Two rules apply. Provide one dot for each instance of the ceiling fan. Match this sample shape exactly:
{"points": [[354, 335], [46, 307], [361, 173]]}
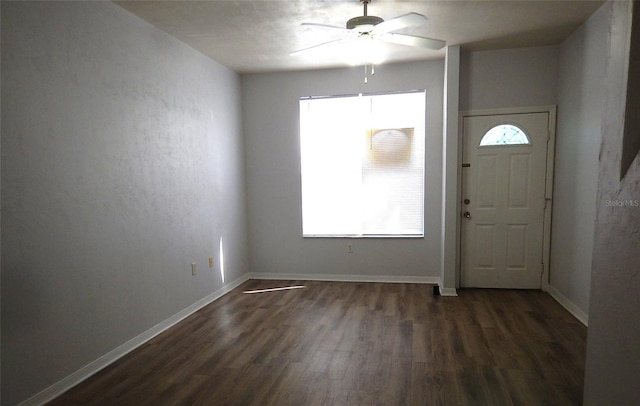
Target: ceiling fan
{"points": [[368, 27]]}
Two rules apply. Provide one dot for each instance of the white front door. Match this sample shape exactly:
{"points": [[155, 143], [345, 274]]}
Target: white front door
{"points": [[503, 193]]}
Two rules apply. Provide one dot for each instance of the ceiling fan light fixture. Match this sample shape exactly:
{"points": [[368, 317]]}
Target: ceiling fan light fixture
{"points": [[369, 34], [363, 23], [366, 50]]}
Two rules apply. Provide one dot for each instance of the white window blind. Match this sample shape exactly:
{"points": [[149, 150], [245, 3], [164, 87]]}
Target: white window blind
{"points": [[362, 165]]}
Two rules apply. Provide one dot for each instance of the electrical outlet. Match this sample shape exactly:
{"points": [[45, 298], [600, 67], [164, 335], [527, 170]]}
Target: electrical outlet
{"points": [[210, 262], [349, 248], [193, 268]]}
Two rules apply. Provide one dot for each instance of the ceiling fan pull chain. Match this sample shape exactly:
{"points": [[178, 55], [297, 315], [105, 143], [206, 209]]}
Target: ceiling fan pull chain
{"points": [[366, 73], [366, 80]]}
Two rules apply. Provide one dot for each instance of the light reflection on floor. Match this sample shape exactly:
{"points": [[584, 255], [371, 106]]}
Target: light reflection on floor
{"points": [[274, 289]]}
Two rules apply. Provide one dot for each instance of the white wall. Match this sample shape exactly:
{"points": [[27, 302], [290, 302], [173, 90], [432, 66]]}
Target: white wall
{"points": [[508, 78], [613, 353], [580, 104], [121, 164], [271, 121]]}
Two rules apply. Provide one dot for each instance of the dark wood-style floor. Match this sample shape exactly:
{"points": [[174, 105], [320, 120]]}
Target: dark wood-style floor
{"points": [[340, 343]]}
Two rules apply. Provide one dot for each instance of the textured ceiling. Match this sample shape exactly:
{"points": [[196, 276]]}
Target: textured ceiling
{"points": [[257, 36]]}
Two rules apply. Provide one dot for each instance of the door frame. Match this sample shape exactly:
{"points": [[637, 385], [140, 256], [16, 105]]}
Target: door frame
{"points": [[548, 189]]}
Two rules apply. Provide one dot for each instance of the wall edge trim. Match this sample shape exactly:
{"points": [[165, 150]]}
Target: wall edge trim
{"points": [[448, 291], [345, 278], [112, 356], [568, 304]]}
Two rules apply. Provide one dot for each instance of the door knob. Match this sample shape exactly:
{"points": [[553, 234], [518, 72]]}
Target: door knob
{"points": [[467, 214]]}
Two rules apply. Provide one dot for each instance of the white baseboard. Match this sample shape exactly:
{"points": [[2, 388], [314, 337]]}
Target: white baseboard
{"points": [[87, 371], [346, 278], [447, 291], [107, 359], [567, 304]]}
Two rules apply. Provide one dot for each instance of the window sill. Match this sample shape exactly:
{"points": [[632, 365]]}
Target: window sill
{"points": [[403, 236]]}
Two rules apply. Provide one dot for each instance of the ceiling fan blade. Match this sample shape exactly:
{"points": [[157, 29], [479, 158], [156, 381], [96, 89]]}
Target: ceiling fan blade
{"points": [[335, 41], [414, 41], [407, 20], [333, 27]]}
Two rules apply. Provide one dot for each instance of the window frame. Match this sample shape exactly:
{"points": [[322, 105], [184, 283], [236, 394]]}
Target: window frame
{"points": [[423, 127], [506, 124]]}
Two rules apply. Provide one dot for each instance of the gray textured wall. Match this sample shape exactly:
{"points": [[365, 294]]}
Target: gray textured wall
{"points": [[271, 126], [580, 103], [613, 353], [508, 78], [121, 164]]}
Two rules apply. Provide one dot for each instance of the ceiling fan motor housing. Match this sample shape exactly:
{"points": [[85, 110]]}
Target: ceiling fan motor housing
{"points": [[366, 21]]}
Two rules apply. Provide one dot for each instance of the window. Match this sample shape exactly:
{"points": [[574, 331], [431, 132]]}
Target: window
{"points": [[362, 165], [504, 134]]}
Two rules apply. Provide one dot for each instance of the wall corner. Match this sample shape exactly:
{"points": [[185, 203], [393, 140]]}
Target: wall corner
{"points": [[449, 261]]}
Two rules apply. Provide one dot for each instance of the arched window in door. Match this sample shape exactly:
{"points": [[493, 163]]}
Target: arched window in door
{"points": [[505, 134]]}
